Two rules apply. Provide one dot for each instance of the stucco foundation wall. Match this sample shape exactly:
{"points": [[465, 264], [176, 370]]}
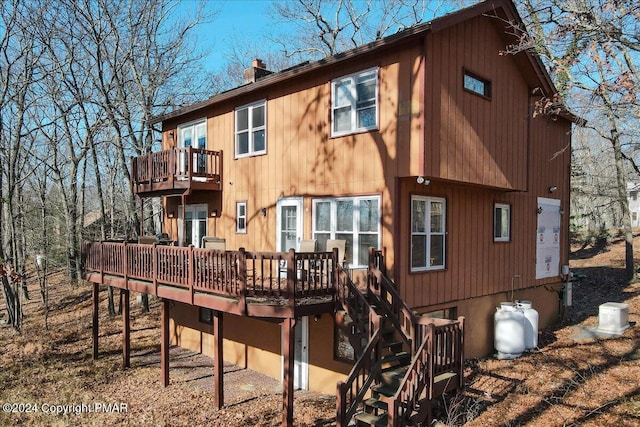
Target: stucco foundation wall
{"points": [[257, 344], [479, 314]]}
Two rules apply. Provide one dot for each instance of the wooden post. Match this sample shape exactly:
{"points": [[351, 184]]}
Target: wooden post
{"points": [[126, 328], [96, 300], [289, 359], [291, 279], [218, 359], [164, 342]]}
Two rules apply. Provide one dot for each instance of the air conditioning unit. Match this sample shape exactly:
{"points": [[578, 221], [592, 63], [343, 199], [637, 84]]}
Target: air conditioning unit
{"points": [[613, 317]]}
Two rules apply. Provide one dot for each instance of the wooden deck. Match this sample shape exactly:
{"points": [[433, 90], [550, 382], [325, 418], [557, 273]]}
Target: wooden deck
{"points": [[260, 284], [176, 171]]}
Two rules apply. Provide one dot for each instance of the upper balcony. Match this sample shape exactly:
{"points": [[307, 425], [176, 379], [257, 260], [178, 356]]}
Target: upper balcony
{"points": [[176, 171]]}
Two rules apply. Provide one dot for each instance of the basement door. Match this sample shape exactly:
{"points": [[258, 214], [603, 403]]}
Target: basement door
{"points": [[301, 355]]}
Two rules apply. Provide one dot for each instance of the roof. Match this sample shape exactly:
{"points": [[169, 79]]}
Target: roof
{"points": [[503, 9]]}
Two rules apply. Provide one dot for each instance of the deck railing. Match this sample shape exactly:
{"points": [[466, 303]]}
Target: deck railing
{"points": [[165, 167], [285, 276]]}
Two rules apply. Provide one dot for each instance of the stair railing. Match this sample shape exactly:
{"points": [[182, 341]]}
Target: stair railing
{"points": [[367, 322]]}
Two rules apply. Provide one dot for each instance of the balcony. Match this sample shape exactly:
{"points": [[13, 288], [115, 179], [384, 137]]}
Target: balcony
{"points": [[259, 284], [176, 171]]}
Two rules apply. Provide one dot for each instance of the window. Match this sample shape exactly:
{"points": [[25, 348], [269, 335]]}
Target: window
{"points": [[634, 195], [251, 130], [241, 217], [501, 222], [476, 84], [354, 103], [354, 219], [634, 216], [428, 229], [342, 350]]}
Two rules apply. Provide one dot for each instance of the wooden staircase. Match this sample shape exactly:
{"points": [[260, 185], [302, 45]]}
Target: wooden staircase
{"points": [[406, 362]]}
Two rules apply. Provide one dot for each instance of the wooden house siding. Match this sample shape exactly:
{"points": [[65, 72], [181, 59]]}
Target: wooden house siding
{"points": [[476, 265], [477, 152], [469, 138]]}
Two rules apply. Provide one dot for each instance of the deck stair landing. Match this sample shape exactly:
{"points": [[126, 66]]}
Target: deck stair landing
{"points": [[406, 362]]}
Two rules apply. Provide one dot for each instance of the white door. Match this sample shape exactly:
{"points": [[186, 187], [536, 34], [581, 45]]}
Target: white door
{"points": [[300, 355], [289, 219], [193, 135], [192, 225]]}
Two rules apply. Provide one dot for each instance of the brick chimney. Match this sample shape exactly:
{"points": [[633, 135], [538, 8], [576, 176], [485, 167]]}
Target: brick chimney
{"points": [[257, 70]]}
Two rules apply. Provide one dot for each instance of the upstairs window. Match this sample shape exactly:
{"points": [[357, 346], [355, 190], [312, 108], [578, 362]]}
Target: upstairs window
{"points": [[354, 103], [428, 231], [476, 84], [501, 222], [251, 129]]}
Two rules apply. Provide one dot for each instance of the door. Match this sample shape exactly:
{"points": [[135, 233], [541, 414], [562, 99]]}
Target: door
{"points": [[289, 219], [193, 136], [300, 355], [192, 225]]}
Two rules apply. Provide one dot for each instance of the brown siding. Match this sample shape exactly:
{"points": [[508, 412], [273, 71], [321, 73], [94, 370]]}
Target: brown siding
{"points": [[469, 138], [476, 265]]}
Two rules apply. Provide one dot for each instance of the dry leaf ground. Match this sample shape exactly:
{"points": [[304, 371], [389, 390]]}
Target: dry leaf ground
{"points": [[563, 382]]}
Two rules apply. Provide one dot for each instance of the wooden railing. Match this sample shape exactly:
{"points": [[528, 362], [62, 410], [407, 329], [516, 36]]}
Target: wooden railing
{"points": [[440, 352], [176, 165], [287, 276]]}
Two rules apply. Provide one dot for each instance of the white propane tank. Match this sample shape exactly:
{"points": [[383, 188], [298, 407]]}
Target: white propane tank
{"points": [[509, 331], [530, 324]]}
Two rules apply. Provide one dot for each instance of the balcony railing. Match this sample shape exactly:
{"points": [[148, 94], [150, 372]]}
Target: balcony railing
{"points": [[225, 280], [176, 170]]}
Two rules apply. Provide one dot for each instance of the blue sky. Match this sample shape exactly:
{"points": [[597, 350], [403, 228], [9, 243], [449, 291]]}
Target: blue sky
{"points": [[239, 18]]}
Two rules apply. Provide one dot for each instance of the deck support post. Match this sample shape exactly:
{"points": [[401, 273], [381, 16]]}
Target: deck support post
{"points": [[164, 342], [289, 358], [126, 328], [96, 301], [218, 359]]}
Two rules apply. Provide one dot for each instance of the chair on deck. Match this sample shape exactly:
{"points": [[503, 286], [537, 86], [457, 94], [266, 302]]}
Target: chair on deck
{"points": [[341, 246], [216, 243], [308, 245]]}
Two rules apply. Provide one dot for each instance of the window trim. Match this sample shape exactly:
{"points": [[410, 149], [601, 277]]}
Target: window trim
{"points": [[250, 129], [501, 238], [486, 94], [428, 267], [333, 222], [354, 107], [239, 204]]}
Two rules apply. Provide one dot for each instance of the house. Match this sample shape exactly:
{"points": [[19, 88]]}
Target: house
{"points": [[426, 146]]}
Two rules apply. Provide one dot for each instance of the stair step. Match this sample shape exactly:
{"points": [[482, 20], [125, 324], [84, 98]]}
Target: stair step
{"points": [[384, 390], [371, 420], [395, 359], [392, 377], [394, 346], [375, 404]]}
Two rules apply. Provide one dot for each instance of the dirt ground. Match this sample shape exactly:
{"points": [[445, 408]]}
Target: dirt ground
{"points": [[570, 379]]}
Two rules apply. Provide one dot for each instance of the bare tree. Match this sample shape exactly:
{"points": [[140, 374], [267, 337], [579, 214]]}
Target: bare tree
{"points": [[325, 27], [592, 49]]}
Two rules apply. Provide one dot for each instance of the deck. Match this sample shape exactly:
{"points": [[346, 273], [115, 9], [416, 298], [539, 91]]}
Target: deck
{"points": [[176, 171], [260, 284]]}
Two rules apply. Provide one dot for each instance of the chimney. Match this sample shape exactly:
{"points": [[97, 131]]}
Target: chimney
{"points": [[257, 70]]}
